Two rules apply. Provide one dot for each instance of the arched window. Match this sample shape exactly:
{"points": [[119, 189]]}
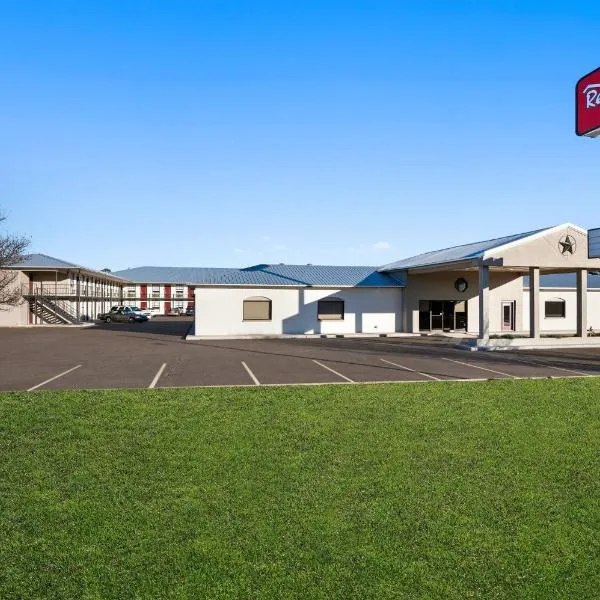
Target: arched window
{"points": [[330, 309], [555, 308], [257, 308]]}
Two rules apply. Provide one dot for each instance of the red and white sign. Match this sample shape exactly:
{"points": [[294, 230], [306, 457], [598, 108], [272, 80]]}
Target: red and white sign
{"points": [[587, 104]]}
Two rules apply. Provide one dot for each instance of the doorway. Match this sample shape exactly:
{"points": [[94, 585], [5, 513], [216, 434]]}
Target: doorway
{"points": [[508, 315], [442, 315]]}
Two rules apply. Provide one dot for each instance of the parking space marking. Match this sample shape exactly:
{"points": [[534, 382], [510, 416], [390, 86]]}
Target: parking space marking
{"points": [[389, 362], [548, 366], [459, 362], [157, 376], [333, 371], [35, 387], [252, 375], [580, 373], [536, 363]]}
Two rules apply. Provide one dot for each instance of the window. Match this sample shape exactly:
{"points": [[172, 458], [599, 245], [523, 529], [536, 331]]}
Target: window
{"points": [[156, 291], [131, 292], [178, 304], [331, 309], [179, 292], [555, 308], [155, 305], [257, 309]]}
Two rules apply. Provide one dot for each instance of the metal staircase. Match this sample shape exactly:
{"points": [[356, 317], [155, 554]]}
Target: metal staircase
{"points": [[53, 311]]}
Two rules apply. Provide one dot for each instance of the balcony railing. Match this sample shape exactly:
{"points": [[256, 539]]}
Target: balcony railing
{"points": [[54, 290]]}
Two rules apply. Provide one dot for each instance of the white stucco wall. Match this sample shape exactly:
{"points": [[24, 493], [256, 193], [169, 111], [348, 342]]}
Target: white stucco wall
{"points": [[568, 324], [294, 311], [16, 315]]}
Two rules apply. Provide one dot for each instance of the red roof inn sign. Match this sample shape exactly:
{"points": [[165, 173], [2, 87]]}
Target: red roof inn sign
{"points": [[587, 105]]}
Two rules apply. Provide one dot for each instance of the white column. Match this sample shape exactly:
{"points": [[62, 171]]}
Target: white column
{"points": [[534, 302], [484, 302], [582, 303]]}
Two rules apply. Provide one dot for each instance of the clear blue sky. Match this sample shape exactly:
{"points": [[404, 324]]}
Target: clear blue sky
{"points": [[216, 133]]}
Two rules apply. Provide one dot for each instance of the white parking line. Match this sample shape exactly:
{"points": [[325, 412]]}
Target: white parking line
{"points": [[547, 366], [563, 369], [35, 387], [389, 362], [252, 375], [157, 376], [333, 371], [459, 362]]}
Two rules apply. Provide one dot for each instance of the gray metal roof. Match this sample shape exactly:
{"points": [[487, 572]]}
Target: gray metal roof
{"points": [[173, 274], [564, 280], [43, 261], [455, 253], [267, 275]]}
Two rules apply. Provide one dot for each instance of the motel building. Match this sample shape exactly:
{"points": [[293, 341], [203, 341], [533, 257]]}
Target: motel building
{"points": [[57, 292], [533, 289], [162, 290]]}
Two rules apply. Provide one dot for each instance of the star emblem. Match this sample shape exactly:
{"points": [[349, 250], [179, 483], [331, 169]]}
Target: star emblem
{"points": [[567, 245]]}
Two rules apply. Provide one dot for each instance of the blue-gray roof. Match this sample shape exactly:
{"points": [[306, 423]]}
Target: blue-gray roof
{"points": [[43, 261], [267, 275], [182, 275], [455, 253], [564, 280]]}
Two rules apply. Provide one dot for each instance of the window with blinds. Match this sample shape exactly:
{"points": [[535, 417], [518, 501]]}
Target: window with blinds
{"points": [[257, 309], [331, 309]]}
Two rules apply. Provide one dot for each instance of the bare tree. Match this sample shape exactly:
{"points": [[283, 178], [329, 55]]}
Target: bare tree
{"points": [[12, 248]]}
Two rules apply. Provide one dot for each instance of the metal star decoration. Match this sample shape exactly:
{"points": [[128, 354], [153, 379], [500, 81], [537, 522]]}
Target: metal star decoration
{"points": [[567, 245]]}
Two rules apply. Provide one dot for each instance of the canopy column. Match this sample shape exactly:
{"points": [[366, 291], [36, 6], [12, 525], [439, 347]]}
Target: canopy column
{"points": [[582, 303], [534, 302], [484, 302]]}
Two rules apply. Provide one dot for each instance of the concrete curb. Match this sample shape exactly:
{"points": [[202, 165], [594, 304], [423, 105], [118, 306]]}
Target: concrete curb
{"points": [[307, 336]]}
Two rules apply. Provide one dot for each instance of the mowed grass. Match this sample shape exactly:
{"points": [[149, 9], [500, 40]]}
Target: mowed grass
{"points": [[456, 490]]}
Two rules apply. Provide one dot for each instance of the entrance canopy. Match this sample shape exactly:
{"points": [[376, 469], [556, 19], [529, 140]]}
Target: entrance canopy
{"points": [[563, 248], [559, 249]]}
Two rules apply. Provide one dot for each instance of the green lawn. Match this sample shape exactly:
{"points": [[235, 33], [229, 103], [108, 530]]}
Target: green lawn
{"points": [[457, 490]]}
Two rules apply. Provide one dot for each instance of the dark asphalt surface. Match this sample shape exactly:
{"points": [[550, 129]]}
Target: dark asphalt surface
{"points": [[131, 356]]}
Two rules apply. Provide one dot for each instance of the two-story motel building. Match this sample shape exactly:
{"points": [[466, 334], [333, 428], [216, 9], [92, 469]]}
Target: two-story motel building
{"points": [[530, 284]]}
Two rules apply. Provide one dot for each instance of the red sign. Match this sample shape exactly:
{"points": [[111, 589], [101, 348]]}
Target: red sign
{"points": [[587, 104]]}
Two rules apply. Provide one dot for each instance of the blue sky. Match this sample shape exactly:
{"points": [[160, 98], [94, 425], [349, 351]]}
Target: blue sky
{"points": [[216, 133]]}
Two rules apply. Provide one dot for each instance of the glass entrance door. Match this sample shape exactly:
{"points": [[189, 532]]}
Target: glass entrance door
{"points": [[442, 315], [437, 314]]}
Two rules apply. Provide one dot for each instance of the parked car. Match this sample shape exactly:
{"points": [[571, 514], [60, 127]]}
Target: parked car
{"points": [[142, 311], [122, 314], [190, 311], [175, 312]]}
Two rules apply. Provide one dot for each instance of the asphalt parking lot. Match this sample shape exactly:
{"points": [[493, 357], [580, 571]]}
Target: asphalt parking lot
{"points": [[155, 354]]}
